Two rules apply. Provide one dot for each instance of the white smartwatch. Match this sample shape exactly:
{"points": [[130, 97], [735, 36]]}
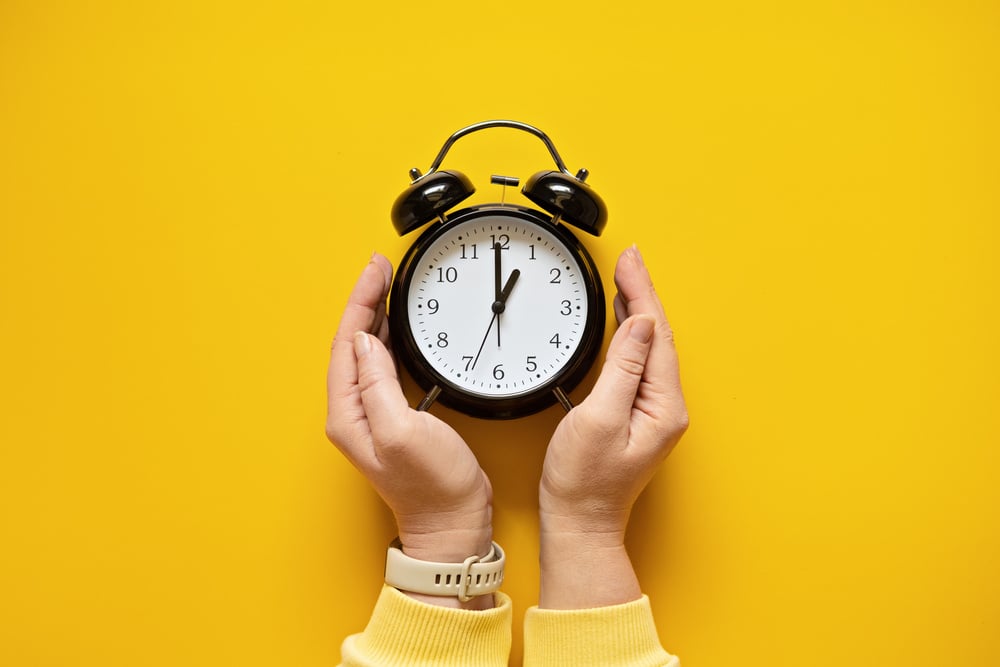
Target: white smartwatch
{"points": [[477, 575]]}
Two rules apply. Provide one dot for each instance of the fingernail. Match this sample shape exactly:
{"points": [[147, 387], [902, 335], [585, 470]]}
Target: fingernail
{"points": [[642, 328], [362, 345], [636, 254]]}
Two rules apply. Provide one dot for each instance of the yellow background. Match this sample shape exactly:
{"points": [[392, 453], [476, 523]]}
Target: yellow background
{"points": [[188, 191]]}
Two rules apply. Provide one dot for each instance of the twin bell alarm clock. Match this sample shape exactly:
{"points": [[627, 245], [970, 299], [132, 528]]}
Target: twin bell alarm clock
{"points": [[497, 310]]}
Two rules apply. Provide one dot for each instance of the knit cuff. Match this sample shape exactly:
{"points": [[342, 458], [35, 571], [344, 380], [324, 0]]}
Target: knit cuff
{"points": [[622, 634], [404, 632]]}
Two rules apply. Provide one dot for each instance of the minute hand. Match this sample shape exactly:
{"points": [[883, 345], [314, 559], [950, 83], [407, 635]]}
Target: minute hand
{"points": [[496, 271]]}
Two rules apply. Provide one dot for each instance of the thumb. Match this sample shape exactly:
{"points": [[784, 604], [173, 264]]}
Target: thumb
{"points": [[618, 383], [383, 400]]}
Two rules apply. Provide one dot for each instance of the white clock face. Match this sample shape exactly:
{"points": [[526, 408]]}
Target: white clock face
{"points": [[497, 323]]}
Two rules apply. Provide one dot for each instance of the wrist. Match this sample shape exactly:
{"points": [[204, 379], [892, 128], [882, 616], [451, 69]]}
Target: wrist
{"points": [[451, 545], [585, 569], [450, 548], [467, 582], [590, 527], [567, 542]]}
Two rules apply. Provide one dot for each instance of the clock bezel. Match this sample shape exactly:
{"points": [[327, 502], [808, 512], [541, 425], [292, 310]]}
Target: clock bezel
{"points": [[539, 398]]}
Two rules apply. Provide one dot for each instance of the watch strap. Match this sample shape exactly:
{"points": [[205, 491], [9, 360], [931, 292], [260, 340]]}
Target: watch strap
{"points": [[477, 575]]}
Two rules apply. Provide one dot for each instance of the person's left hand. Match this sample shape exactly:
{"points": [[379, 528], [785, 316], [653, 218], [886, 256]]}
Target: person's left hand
{"points": [[420, 466], [606, 449]]}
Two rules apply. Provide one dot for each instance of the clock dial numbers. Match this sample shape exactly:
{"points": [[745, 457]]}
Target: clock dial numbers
{"points": [[503, 240], [537, 299], [447, 275]]}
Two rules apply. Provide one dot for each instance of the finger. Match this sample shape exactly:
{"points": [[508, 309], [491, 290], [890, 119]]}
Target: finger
{"points": [[365, 308], [381, 395], [365, 311], [636, 292], [621, 310], [383, 329], [345, 421], [616, 387], [381, 319], [637, 295]]}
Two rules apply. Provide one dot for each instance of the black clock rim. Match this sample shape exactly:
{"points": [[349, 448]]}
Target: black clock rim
{"points": [[408, 352]]}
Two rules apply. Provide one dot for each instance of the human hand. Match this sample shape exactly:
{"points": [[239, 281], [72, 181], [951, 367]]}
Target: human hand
{"points": [[605, 451], [422, 469]]}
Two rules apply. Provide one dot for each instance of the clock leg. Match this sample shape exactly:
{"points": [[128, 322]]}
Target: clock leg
{"points": [[563, 399], [429, 399]]}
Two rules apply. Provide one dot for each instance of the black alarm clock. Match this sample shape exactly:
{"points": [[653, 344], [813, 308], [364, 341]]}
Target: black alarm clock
{"points": [[497, 310]]}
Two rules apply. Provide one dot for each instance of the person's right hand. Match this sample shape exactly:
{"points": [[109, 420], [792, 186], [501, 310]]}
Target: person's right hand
{"points": [[424, 471], [605, 450]]}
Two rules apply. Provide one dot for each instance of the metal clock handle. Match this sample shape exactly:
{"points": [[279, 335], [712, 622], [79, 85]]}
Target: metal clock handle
{"points": [[531, 129]]}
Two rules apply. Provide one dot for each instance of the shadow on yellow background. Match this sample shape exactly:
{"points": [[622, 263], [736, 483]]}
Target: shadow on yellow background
{"points": [[187, 193]]}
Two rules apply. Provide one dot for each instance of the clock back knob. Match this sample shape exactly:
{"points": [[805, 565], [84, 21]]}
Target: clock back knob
{"points": [[428, 198], [569, 198]]}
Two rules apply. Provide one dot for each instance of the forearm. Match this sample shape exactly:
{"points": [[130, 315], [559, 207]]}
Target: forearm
{"points": [[591, 609], [584, 567]]}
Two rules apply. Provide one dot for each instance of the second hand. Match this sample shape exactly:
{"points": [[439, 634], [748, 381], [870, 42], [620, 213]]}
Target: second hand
{"points": [[476, 360]]}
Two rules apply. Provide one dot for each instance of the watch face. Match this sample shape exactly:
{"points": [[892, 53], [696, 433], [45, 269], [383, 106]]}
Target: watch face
{"points": [[500, 305]]}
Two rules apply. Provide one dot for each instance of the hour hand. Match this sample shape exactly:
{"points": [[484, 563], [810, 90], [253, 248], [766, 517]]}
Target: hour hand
{"points": [[505, 292], [501, 303]]}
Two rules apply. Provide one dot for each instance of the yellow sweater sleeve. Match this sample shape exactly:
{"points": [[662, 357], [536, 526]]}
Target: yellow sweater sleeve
{"points": [[618, 636], [403, 632]]}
